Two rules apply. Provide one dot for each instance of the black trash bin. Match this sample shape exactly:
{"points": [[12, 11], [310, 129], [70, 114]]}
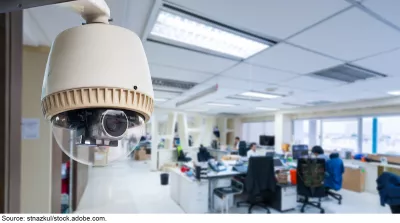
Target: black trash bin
{"points": [[164, 178]]}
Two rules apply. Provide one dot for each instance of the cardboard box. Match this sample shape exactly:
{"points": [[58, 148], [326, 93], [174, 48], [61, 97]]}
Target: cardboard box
{"points": [[354, 179], [140, 154]]}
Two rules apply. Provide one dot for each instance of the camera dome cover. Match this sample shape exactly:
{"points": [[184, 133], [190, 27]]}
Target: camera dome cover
{"points": [[97, 66]]}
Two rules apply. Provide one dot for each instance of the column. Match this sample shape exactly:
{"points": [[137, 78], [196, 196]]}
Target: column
{"points": [[283, 130], [312, 133], [374, 135], [170, 130], [10, 110], [360, 135], [183, 130]]}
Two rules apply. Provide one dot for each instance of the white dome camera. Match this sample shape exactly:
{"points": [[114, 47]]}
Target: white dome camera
{"points": [[97, 90]]}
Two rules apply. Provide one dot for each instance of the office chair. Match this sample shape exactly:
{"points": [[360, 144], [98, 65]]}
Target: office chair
{"points": [[242, 148], [181, 156], [260, 182], [310, 182], [333, 178], [203, 155]]}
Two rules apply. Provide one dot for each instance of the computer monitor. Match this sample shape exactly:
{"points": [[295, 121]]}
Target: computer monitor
{"points": [[278, 163], [267, 140], [299, 151]]}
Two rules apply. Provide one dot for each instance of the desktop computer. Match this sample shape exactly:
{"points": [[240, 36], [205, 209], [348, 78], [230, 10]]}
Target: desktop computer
{"points": [[267, 140], [299, 151]]}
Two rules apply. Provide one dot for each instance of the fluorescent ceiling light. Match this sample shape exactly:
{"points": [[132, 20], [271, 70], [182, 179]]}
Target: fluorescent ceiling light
{"points": [[394, 93], [196, 110], [260, 95], [220, 104], [266, 109], [189, 31], [160, 99]]}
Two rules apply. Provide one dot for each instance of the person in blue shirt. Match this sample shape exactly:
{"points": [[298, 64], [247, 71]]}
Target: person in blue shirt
{"points": [[334, 170]]}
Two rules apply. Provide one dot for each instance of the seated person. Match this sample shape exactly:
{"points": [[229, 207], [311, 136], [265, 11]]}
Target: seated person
{"points": [[334, 169], [252, 150], [236, 145], [319, 152]]}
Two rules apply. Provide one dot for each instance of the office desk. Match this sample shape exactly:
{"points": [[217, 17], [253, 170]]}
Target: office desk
{"points": [[197, 196], [191, 195], [217, 153], [372, 171]]}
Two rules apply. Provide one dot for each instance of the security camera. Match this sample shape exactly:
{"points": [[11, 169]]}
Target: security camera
{"points": [[97, 89]]}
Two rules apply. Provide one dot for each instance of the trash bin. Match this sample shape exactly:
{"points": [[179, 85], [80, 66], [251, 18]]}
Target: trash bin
{"points": [[164, 178]]}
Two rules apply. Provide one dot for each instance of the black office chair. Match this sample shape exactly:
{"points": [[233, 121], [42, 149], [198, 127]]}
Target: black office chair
{"points": [[242, 148], [260, 182], [310, 182], [203, 155]]}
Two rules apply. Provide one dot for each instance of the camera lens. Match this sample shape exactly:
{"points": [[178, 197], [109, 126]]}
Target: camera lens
{"points": [[115, 123]]}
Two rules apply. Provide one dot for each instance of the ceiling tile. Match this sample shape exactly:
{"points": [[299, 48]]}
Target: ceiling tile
{"points": [[131, 14], [351, 92], [250, 72], [52, 20], [178, 74], [238, 84], [165, 95], [380, 85], [294, 59], [387, 9], [310, 83], [181, 58], [32, 33], [265, 17], [349, 36], [386, 63]]}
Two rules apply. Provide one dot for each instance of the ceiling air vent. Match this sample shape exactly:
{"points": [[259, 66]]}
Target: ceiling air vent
{"points": [[183, 85], [293, 104], [347, 73]]}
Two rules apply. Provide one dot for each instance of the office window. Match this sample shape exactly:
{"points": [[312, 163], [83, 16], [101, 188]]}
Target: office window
{"points": [[366, 135], [301, 131], [251, 131], [388, 135], [340, 134]]}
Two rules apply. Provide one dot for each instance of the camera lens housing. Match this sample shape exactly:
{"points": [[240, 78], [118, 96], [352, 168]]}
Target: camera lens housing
{"points": [[115, 132], [115, 123]]}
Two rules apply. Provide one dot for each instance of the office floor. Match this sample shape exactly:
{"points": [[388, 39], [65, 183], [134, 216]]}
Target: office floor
{"points": [[129, 187]]}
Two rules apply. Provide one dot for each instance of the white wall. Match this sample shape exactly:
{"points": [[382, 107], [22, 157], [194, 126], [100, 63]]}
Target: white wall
{"points": [[36, 153]]}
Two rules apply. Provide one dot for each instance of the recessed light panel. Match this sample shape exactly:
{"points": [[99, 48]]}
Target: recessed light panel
{"points": [[220, 104], [260, 95], [266, 109], [183, 29], [394, 93]]}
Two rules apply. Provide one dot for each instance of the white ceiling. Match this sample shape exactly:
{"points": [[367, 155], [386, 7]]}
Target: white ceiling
{"points": [[311, 35]]}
